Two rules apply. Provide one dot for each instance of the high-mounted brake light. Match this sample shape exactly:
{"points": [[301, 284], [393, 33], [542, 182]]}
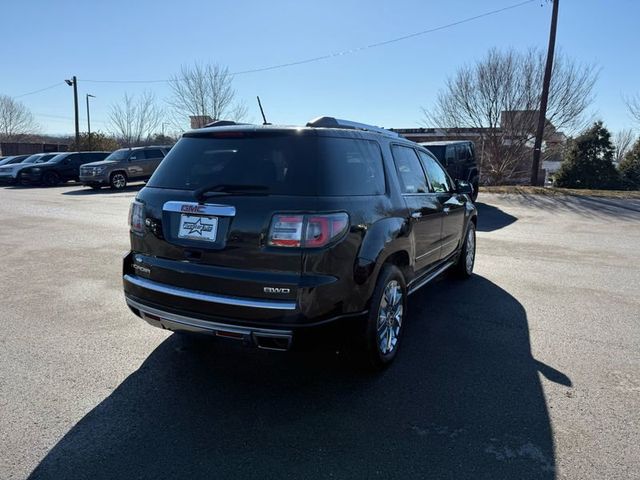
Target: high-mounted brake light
{"points": [[136, 217], [311, 231]]}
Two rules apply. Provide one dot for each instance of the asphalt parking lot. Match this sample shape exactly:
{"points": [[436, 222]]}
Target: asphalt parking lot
{"points": [[531, 369]]}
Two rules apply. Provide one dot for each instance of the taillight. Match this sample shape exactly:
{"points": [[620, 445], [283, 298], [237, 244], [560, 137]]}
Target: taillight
{"points": [[310, 231], [136, 217]]}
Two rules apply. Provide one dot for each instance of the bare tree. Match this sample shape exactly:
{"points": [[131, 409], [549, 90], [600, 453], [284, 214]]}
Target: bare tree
{"points": [[204, 91], [622, 142], [633, 104], [498, 99], [16, 121], [133, 121]]}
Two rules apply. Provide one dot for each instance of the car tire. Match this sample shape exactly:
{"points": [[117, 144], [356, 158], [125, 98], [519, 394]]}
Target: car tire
{"points": [[464, 266], [387, 313], [50, 179], [118, 180]]}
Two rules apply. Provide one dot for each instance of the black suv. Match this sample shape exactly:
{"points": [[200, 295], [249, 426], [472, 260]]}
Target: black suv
{"points": [[459, 158], [62, 167], [261, 233]]}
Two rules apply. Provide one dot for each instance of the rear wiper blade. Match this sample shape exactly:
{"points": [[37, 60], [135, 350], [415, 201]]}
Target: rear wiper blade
{"points": [[226, 188]]}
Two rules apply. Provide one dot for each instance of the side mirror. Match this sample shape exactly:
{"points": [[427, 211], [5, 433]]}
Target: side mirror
{"points": [[463, 187]]}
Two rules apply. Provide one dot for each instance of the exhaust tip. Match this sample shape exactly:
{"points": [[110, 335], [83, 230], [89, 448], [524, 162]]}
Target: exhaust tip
{"points": [[280, 343]]}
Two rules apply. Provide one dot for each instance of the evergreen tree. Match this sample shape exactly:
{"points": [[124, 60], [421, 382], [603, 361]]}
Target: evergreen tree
{"points": [[589, 161], [630, 167]]}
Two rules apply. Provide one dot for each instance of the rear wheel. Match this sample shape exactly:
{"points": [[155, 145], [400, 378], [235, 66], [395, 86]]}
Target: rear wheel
{"points": [[51, 179], [464, 267], [386, 317], [118, 180]]}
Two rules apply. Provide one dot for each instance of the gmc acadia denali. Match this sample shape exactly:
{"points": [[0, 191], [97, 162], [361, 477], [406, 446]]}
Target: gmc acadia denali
{"points": [[262, 233]]}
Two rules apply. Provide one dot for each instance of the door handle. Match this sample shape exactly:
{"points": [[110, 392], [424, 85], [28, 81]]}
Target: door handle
{"points": [[416, 214], [446, 210]]}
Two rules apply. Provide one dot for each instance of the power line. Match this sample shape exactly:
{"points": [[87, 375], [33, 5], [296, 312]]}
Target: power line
{"points": [[57, 84], [345, 52], [386, 42]]}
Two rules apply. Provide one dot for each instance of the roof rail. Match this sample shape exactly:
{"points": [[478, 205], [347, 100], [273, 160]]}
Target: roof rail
{"points": [[331, 122]]}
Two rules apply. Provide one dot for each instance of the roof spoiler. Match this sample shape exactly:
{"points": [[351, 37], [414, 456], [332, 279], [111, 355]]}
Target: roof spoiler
{"points": [[224, 123], [331, 122]]}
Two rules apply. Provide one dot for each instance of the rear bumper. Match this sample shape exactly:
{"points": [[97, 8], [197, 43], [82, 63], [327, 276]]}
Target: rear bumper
{"points": [[265, 338], [211, 298]]}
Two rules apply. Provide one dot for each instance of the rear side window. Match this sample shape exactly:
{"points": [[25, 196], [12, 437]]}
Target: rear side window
{"points": [[409, 170], [274, 163], [464, 152], [137, 155], [450, 155], [94, 157], [154, 153], [352, 167]]}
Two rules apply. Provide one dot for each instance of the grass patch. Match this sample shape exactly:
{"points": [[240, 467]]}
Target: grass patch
{"points": [[552, 191]]}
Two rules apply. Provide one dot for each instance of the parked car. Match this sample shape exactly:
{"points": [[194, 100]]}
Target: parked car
{"points": [[10, 174], [10, 160], [263, 233], [123, 166], [459, 158], [61, 168]]}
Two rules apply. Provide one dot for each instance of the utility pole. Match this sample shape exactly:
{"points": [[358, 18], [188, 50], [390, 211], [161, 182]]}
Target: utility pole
{"points": [[535, 166], [74, 83], [89, 121]]}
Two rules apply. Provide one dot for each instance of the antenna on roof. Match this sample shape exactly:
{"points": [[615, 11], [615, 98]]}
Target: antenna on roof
{"points": [[262, 112]]}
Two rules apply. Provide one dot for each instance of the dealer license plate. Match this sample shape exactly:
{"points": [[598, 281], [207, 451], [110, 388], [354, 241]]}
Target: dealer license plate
{"points": [[197, 227]]}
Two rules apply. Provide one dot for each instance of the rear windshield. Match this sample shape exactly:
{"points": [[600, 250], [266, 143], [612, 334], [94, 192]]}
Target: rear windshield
{"points": [[282, 164]]}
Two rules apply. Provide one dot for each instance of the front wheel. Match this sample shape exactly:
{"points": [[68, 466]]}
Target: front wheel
{"points": [[386, 316], [464, 266], [118, 181]]}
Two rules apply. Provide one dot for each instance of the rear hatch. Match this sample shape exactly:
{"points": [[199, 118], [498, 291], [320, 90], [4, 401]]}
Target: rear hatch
{"points": [[224, 209]]}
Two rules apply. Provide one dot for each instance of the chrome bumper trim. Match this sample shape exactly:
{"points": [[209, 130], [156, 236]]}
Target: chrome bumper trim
{"points": [[171, 321], [209, 297]]}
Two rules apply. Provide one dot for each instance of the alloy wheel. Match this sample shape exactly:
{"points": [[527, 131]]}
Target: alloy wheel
{"points": [[119, 181], [471, 249], [390, 317]]}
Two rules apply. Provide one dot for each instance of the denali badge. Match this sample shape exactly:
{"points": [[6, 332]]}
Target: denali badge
{"points": [[141, 269], [276, 290]]}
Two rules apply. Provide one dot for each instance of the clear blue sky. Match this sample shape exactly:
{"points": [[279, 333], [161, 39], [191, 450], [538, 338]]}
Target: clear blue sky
{"points": [[44, 41]]}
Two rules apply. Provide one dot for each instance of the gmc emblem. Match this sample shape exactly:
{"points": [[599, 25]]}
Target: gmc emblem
{"points": [[192, 208], [276, 290]]}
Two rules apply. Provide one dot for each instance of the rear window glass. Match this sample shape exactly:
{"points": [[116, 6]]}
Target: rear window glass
{"points": [[283, 164]]}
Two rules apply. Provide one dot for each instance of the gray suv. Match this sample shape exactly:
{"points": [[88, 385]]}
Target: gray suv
{"points": [[123, 166]]}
